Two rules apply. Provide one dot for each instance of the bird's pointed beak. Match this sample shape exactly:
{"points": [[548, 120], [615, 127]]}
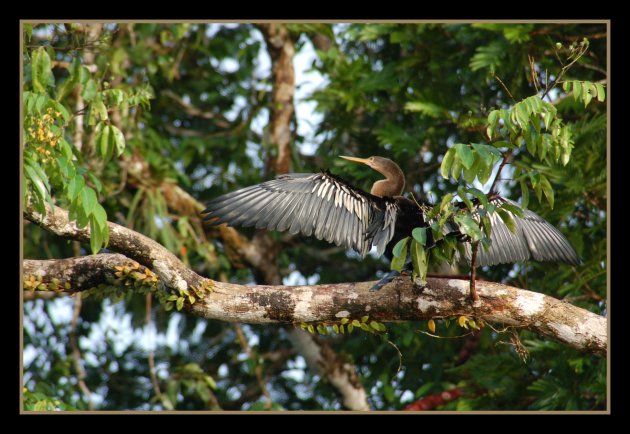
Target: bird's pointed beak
{"points": [[358, 160]]}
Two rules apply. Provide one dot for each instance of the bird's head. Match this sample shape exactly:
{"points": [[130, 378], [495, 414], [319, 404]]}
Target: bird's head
{"points": [[374, 162], [395, 182]]}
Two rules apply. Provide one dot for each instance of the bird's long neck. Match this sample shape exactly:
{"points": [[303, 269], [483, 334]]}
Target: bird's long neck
{"points": [[393, 184]]}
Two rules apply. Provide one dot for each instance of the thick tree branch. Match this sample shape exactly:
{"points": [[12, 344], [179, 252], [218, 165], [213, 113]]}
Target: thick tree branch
{"points": [[397, 301], [170, 270]]}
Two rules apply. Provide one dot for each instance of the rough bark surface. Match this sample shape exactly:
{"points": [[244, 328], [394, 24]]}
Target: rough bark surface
{"points": [[171, 271], [281, 49], [401, 300]]}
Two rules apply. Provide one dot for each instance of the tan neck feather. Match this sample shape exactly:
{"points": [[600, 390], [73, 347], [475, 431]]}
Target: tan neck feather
{"points": [[393, 185]]}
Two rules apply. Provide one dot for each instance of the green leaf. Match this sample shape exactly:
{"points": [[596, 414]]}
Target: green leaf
{"points": [[493, 120], [484, 172], [547, 118], [465, 155], [114, 97], [525, 194], [446, 202], [468, 226], [88, 199], [96, 240], [398, 261], [97, 183], [79, 213], [104, 140], [483, 199], [547, 189], [65, 148], [456, 168], [119, 140], [72, 81], [401, 247], [535, 178], [484, 152], [486, 224], [530, 143], [577, 89], [100, 108], [464, 197], [601, 92], [75, 187], [514, 209], [420, 235], [40, 101], [522, 115], [419, 260], [426, 108], [36, 181], [41, 69], [566, 86], [447, 163], [589, 92], [89, 90], [28, 30], [507, 219], [470, 174], [100, 216], [40, 173], [180, 304]]}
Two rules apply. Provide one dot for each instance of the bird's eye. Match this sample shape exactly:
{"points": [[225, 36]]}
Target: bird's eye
{"points": [[371, 159]]}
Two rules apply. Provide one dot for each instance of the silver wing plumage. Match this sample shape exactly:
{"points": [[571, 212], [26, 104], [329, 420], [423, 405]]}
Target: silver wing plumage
{"points": [[317, 204]]}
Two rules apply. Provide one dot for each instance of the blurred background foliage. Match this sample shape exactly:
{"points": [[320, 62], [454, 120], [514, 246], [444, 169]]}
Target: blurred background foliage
{"points": [[131, 106]]}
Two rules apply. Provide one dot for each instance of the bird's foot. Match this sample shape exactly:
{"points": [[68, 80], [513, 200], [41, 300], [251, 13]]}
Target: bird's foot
{"points": [[385, 280]]}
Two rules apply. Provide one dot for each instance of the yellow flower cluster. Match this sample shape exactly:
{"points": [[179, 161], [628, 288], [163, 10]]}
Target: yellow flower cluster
{"points": [[42, 134]]}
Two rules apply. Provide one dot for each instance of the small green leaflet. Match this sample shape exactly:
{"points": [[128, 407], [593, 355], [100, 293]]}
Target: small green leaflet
{"points": [[517, 211], [400, 247], [507, 219], [400, 254], [468, 226], [601, 93], [41, 69], [119, 140], [547, 189], [465, 155], [464, 197], [419, 260], [420, 235], [447, 163]]}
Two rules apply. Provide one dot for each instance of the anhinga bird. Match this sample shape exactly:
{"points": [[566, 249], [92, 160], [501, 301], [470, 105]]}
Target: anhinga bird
{"points": [[328, 208]]}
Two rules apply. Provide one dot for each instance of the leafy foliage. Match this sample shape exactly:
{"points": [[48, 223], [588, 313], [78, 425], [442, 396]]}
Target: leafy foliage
{"points": [[114, 116]]}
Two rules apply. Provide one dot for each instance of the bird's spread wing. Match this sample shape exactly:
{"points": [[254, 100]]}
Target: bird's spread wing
{"points": [[534, 238], [318, 204]]}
